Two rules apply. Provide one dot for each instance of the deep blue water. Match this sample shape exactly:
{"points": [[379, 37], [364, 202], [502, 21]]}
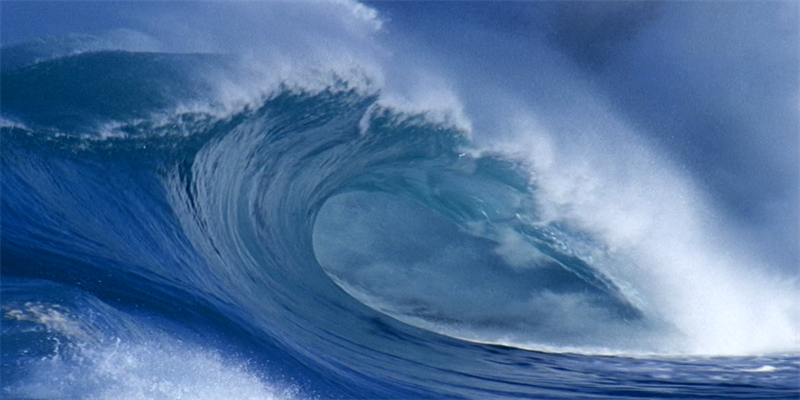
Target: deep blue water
{"points": [[333, 200]]}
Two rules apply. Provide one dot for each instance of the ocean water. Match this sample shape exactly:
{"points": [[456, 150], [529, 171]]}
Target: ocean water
{"points": [[321, 200]]}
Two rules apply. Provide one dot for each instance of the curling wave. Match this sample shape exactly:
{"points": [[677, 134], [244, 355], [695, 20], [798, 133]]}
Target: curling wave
{"points": [[340, 230]]}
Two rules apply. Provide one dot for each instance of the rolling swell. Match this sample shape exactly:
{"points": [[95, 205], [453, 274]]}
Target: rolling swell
{"points": [[223, 211]]}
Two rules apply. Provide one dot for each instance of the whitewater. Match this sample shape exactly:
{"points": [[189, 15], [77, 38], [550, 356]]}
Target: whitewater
{"points": [[296, 200]]}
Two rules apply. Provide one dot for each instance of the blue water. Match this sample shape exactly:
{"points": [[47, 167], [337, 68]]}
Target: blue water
{"points": [[290, 209]]}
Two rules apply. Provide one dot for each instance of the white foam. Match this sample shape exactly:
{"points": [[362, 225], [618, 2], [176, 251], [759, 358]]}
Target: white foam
{"points": [[161, 369], [87, 363], [431, 97], [686, 260], [12, 124], [763, 368]]}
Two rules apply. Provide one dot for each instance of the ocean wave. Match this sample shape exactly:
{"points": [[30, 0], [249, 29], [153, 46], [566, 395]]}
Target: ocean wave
{"points": [[351, 233]]}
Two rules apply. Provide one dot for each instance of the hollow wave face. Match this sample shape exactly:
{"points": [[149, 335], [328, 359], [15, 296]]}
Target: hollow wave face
{"points": [[496, 280], [356, 228]]}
